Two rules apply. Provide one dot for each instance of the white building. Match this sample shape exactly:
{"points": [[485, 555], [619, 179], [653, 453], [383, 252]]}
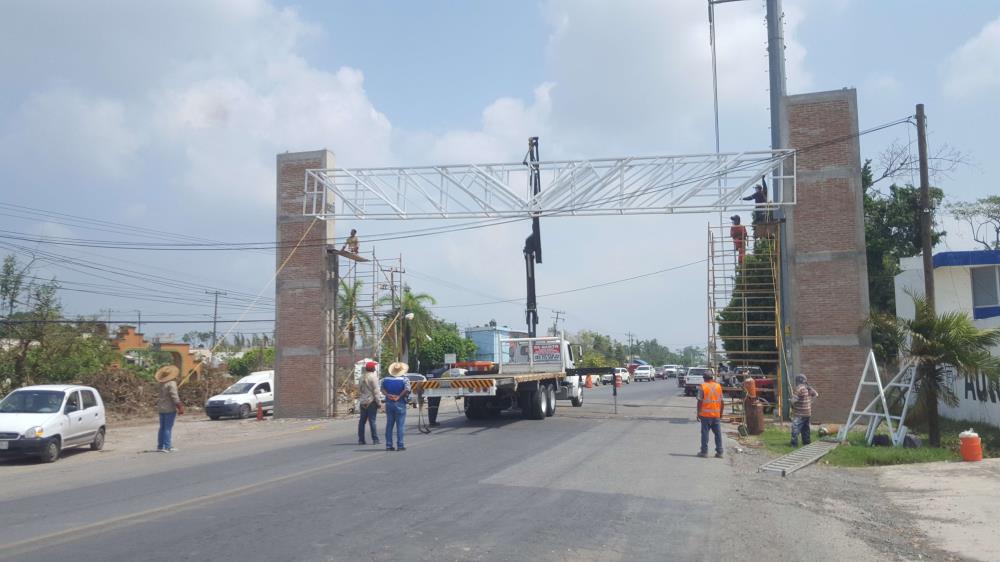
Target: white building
{"points": [[966, 282]]}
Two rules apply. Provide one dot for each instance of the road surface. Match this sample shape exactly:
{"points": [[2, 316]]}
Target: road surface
{"points": [[584, 485]]}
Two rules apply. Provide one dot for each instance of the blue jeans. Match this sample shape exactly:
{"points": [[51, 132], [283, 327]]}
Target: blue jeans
{"points": [[800, 424], [368, 414], [166, 429], [395, 415], [713, 425]]}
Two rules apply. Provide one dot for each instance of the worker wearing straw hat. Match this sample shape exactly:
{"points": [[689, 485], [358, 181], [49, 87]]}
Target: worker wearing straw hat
{"points": [[169, 405], [395, 387]]}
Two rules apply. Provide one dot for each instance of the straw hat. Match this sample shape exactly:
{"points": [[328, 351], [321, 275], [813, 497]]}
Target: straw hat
{"points": [[166, 373], [398, 368]]}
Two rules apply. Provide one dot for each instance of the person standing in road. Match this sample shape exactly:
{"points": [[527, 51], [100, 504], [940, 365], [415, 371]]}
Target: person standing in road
{"points": [[169, 406], [434, 402], [395, 387], [710, 413], [802, 399], [368, 402]]}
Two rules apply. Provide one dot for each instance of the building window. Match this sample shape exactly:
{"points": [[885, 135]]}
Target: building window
{"points": [[985, 292]]}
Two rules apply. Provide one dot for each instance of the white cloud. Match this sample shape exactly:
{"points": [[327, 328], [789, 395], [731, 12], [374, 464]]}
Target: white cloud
{"points": [[974, 68]]}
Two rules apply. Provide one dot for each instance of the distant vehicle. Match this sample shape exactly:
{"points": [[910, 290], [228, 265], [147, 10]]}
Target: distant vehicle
{"points": [[609, 378], [670, 371], [644, 373], [44, 420], [694, 378], [240, 400]]}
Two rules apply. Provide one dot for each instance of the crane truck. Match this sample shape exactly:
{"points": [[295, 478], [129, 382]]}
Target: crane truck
{"points": [[532, 375]]}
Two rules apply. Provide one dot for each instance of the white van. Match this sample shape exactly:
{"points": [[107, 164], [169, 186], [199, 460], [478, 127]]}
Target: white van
{"points": [[44, 420], [241, 399]]}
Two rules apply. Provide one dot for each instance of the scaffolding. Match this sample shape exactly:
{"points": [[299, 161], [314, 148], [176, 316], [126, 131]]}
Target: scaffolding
{"points": [[744, 314], [364, 292]]}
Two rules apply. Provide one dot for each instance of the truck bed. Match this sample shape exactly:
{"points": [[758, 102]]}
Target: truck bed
{"points": [[478, 385]]}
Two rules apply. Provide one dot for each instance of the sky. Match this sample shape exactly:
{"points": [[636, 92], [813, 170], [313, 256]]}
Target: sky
{"points": [[151, 121]]}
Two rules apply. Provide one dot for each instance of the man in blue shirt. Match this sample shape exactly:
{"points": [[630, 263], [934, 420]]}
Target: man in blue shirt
{"points": [[395, 387]]}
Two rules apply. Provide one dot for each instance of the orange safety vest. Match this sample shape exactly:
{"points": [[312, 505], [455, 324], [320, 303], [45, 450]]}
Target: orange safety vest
{"points": [[711, 402]]}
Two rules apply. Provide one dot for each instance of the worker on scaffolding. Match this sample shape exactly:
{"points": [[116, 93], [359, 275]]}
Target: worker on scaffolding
{"points": [[759, 197], [351, 244], [738, 233]]}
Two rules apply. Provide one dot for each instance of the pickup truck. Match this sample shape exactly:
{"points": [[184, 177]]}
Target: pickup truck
{"points": [[694, 378], [532, 375]]}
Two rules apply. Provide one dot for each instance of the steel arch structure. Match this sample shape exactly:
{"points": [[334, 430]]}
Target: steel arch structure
{"points": [[694, 183]]}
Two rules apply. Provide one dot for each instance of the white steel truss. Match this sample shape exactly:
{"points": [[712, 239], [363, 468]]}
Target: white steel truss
{"points": [[612, 186]]}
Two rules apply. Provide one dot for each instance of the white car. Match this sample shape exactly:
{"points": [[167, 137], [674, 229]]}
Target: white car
{"points": [[242, 398], [46, 419], [644, 373], [610, 378]]}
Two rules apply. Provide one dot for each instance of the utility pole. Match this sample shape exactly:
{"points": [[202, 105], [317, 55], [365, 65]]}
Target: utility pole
{"points": [[215, 315], [629, 334], [555, 321], [926, 212], [138, 324]]}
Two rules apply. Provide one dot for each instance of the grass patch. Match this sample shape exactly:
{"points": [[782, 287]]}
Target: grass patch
{"points": [[857, 453]]}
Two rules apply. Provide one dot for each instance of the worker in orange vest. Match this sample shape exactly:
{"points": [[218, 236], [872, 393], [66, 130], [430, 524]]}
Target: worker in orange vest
{"points": [[710, 413]]}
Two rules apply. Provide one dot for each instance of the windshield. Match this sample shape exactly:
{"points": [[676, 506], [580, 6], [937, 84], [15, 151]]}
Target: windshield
{"points": [[239, 388], [697, 372], [32, 402]]}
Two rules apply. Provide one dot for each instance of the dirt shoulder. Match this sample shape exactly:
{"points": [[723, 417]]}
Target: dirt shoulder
{"points": [[853, 508]]}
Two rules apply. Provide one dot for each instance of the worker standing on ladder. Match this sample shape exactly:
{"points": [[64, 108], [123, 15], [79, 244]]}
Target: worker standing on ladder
{"points": [[738, 233], [710, 413], [352, 245]]}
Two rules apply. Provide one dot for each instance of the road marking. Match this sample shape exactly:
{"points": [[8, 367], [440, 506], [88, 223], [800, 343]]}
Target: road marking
{"points": [[145, 516]]}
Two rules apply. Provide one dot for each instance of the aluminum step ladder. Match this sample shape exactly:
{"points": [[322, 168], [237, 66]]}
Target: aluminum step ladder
{"points": [[799, 458]]}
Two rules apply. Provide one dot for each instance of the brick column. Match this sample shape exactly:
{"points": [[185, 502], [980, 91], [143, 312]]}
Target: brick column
{"points": [[301, 336], [826, 247]]}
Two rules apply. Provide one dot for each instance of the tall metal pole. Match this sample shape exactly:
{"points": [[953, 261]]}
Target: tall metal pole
{"points": [[776, 72], [926, 211], [715, 76], [533, 244]]}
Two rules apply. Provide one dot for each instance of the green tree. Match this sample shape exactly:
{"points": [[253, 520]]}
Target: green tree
{"points": [[747, 324], [423, 322], [352, 320], [592, 358], [251, 361], [444, 340], [937, 342], [983, 218]]}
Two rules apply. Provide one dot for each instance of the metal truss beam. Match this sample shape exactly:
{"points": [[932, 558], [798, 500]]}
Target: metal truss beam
{"points": [[695, 183]]}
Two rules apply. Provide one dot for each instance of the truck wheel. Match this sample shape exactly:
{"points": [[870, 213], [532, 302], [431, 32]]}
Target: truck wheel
{"points": [[475, 409], [577, 402], [550, 399], [532, 404], [51, 451]]}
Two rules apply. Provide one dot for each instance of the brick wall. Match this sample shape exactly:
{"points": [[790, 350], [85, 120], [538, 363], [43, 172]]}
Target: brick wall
{"points": [[826, 245], [301, 333]]}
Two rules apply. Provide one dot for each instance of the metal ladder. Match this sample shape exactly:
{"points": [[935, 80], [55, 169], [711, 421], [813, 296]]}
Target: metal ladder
{"points": [[799, 458]]}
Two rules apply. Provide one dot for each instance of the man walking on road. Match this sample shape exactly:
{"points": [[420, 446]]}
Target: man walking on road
{"points": [[710, 413], [396, 388], [168, 405], [802, 399], [368, 402]]}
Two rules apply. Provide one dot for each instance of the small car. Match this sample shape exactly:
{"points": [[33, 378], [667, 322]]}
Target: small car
{"points": [[644, 373], [45, 420], [241, 399]]}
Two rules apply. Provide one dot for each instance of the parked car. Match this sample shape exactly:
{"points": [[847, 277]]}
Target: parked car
{"points": [[644, 373], [609, 378], [694, 378], [44, 420], [240, 400]]}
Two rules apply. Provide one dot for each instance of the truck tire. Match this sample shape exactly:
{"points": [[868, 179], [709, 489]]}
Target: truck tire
{"points": [[577, 402], [550, 400], [475, 408], [532, 404]]}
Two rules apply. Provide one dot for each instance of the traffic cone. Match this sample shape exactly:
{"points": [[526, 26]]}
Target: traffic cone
{"points": [[590, 383], [260, 411]]}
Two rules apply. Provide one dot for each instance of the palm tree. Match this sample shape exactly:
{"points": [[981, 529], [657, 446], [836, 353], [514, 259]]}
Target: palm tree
{"points": [[936, 342], [351, 320], [423, 321]]}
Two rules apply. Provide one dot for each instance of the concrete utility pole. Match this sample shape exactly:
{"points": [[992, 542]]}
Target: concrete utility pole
{"points": [[555, 321], [926, 212], [215, 315], [629, 334]]}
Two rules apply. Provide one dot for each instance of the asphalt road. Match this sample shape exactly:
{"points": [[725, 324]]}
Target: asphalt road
{"points": [[585, 484]]}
